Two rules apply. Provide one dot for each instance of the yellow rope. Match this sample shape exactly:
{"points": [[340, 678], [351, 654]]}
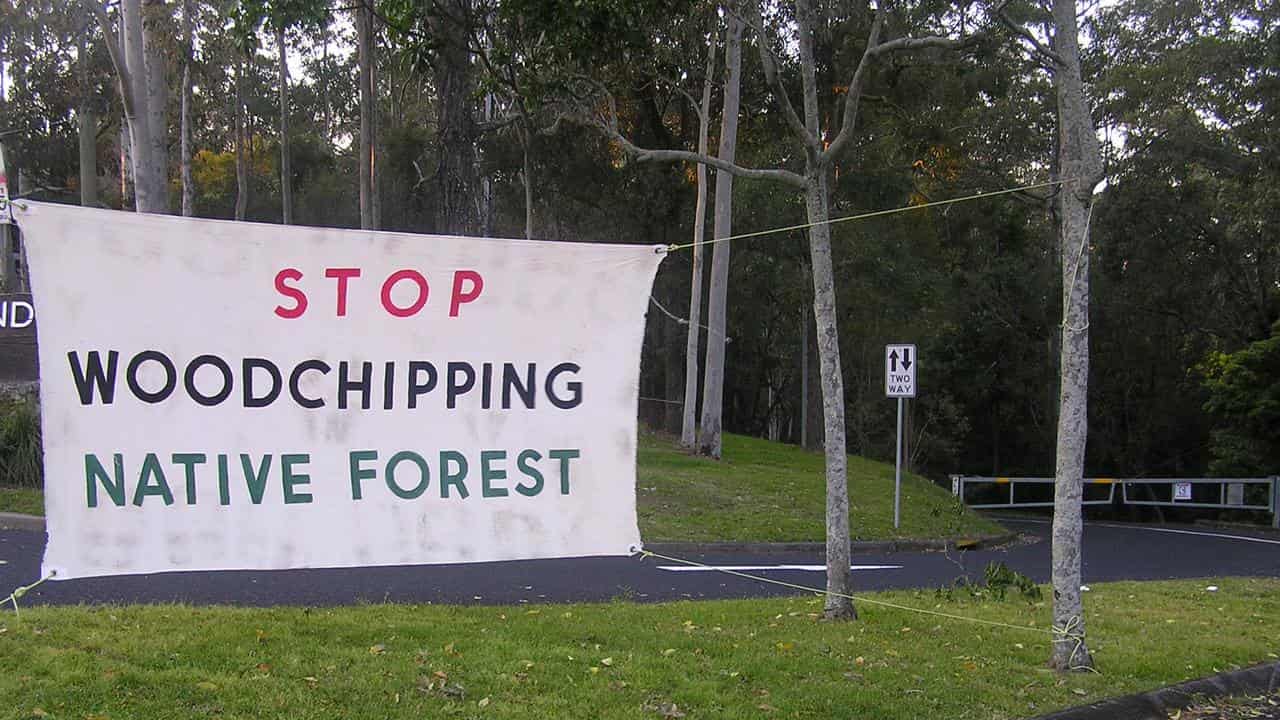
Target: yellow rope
{"points": [[877, 213], [16, 595]]}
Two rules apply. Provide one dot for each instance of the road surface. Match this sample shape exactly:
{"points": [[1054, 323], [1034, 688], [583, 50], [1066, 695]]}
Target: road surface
{"points": [[1111, 552]]}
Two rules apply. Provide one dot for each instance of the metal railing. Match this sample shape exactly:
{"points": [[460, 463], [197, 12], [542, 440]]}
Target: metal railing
{"points": [[1232, 493], [960, 482]]}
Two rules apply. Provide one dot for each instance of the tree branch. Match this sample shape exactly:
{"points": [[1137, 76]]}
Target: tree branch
{"points": [[649, 154], [1038, 49], [765, 45], [874, 50], [854, 93], [117, 57]]}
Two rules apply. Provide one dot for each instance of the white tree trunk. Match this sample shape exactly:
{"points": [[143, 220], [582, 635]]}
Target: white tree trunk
{"points": [[133, 84], [1080, 164], [839, 578], [710, 440], [689, 424], [286, 172], [831, 375]]}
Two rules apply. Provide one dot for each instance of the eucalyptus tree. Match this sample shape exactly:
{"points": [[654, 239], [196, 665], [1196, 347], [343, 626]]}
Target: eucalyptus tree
{"points": [[281, 18], [818, 145], [1079, 166], [689, 426], [710, 429], [140, 68]]}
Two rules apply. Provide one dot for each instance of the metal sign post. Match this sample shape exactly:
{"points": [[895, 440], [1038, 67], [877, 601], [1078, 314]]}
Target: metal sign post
{"points": [[899, 382], [6, 229]]}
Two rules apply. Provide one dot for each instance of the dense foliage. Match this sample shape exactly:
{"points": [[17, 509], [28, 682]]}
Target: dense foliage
{"points": [[1187, 268]]}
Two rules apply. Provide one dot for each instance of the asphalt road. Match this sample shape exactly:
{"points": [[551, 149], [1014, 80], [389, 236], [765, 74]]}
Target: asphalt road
{"points": [[1111, 552]]}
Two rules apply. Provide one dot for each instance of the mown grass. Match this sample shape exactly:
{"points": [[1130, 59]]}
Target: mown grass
{"points": [[769, 492], [28, 501], [721, 659]]}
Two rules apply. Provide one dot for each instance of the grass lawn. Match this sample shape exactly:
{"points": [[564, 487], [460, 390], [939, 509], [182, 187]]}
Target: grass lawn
{"points": [[28, 501], [721, 659], [770, 492]]}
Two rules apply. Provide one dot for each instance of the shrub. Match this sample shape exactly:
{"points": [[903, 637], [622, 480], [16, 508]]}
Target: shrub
{"points": [[21, 449]]}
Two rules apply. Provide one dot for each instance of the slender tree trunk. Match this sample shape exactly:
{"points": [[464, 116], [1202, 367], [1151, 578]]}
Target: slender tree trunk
{"points": [[286, 172], [839, 579], [242, 142], [689, 423], [157, 102], [324, 85], [375, 127], [87, 127], [831, 376], [456, 178], [1080, 164], [126, 164], [364, 29], [526, 177], [710, 440], [133, 84], [184, 123]]}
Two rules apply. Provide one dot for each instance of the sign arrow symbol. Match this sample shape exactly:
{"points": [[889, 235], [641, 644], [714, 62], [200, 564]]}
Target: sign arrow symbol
{"points": [[893, 361], [906, 358]]}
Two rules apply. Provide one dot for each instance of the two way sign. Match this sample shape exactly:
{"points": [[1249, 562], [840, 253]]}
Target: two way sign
{"points": [[900, 371], [899, 382]]}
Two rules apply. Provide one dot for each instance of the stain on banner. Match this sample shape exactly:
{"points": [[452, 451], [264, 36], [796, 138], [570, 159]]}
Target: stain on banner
{"points": [[223, 395]]}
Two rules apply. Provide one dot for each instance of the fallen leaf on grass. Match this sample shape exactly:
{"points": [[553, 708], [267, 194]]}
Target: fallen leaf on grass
{"points": [[665, 709], [766, 707], [607, 662], [1078, 691], [206, 685], [484, 702]]}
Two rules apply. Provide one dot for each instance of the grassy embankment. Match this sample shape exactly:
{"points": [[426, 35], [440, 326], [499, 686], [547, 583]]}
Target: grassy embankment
{"points": [[770, 492], [761, 491], [711, 659]]}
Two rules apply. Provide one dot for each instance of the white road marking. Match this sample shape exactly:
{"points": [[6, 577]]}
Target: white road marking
{"points": [[1225, 536], [760, 568]]}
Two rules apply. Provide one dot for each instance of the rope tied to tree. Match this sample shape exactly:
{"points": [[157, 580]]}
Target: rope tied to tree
{"points": [[17, 594], [1073, 631], [875, 213]]}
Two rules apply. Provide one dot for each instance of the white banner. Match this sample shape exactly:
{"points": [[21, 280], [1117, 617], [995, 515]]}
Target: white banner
{"points": [[221, 395]]}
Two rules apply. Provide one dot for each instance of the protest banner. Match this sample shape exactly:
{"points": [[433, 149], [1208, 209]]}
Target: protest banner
{"points": [[222, 395]]}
